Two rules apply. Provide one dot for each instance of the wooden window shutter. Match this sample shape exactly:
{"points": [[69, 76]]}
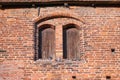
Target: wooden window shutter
{"points": [[46, 43], [71, 43]]}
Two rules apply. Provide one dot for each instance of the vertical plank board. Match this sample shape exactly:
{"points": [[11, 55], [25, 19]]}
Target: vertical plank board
{"points": [[46, 41], [71, 43]]}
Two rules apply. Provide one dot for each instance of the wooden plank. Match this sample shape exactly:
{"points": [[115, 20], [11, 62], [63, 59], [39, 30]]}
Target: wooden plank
{"points": [[71, 43], [46, 43]]}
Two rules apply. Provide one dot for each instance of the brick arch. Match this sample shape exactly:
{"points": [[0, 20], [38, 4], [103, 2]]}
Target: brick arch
{"points": [[53, 15], [71, 24], [46, 26]]}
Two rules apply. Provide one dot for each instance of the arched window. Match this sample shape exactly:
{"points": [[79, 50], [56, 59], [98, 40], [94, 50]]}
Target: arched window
{"points": [[71, 42], [46, 42]]}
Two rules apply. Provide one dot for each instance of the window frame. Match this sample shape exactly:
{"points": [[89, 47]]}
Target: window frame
{"points": [[66, 55], [38, 54]]}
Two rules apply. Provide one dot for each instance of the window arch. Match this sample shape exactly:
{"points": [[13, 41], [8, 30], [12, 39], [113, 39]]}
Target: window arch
{"points": [[71, 42], [46, 42]]}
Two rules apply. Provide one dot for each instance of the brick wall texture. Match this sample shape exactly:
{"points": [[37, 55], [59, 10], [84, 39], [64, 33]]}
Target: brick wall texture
{"points": [[99, 29]]}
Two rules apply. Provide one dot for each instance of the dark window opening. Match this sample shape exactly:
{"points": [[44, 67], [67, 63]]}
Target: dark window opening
{"points": [[71, 42], [46, 44]]}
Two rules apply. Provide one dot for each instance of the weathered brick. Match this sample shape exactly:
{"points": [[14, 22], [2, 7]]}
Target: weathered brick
{"points": [[99, 29]]}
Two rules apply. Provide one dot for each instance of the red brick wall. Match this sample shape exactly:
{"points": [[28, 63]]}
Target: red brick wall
{"points": [[100, 30]]}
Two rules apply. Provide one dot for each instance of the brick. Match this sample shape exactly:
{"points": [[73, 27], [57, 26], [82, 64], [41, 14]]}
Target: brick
{"points": [[99, 29]]}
